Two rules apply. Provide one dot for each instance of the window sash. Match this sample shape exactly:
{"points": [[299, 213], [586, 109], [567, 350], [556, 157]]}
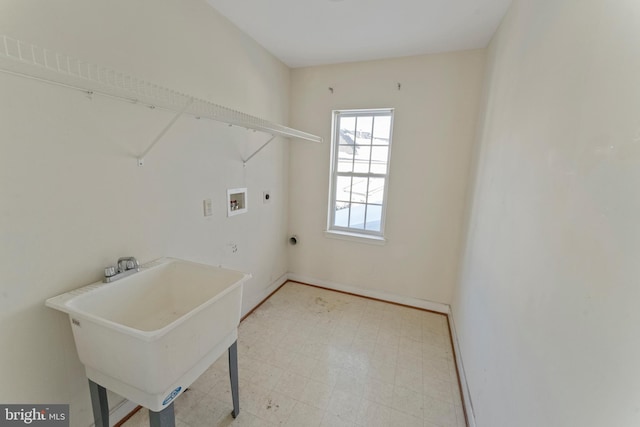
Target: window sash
{"points": [[334, 201]]}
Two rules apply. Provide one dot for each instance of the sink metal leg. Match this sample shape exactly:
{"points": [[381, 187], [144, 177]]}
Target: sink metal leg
{"points": [[164, 418], [233, 374], [100, 404]]}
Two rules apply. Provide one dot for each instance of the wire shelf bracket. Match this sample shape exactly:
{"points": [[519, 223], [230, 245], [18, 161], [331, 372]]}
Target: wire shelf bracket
{"points": [[27, 60], [245, 161], [163, 132]]}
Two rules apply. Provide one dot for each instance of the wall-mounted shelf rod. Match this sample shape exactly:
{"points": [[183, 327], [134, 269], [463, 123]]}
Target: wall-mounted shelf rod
{"points": [[30, 61]]}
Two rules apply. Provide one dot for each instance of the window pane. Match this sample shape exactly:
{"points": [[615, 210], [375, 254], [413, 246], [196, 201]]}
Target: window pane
{"points": [[343, 188], [359, 190], [357, 216], [374, 217], [346, 149], [362, 158], [379, 157], [381, 130], [341, 216], [376, 190], [347, 127], [347, 137], [364, 127], [345, 158]]}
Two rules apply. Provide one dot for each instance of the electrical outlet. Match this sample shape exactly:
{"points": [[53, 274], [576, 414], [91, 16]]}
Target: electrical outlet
{"points": [[207, 206], [266, 196]]}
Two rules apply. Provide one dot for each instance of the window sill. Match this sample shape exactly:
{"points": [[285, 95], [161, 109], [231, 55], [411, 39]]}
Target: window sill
{"points": [[355, 237]]}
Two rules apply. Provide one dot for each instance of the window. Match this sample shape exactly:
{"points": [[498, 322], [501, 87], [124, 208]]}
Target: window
{"points": [[360, 150]]}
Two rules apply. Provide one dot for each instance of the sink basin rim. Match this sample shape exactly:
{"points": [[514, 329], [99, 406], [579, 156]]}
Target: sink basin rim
{"points": [[68, 302]]}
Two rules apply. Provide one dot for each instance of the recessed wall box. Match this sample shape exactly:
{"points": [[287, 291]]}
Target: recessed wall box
{"points": [[236, 201]]}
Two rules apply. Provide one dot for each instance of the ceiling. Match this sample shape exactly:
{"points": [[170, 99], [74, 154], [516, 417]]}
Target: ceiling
{"points": [[314, 32]]}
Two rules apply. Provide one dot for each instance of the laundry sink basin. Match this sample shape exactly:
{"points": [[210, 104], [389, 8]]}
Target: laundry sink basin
{"points": [[148, 336]]}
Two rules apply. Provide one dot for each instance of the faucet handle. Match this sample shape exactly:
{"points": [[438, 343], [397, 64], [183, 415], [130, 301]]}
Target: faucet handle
{"points": [[127, 263], [110, 271]]}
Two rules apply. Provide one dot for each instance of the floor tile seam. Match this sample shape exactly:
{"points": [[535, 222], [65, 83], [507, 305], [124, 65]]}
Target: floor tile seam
{"points": [[390, 407], [433, 346], [449, 378], [440, 400], [331, 386], [451, 384], [183, 421], [445, 401]]}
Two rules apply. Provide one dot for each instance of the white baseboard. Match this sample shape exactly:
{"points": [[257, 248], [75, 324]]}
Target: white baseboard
{"points": [[381, 295], [265, 293], [120, 411], [466, 394]]}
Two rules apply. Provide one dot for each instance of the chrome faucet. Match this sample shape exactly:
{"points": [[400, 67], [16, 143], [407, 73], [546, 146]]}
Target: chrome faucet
{"points": [[126, 266]]}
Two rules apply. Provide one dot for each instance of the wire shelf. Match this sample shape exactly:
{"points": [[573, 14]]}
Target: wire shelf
{"points": [[27, 60]]}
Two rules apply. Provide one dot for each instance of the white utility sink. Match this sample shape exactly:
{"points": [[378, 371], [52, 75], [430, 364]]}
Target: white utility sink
{"points": [[148, 336]]}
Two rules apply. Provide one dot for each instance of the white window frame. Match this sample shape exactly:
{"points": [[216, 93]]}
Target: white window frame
{"points": [[370, 236]]}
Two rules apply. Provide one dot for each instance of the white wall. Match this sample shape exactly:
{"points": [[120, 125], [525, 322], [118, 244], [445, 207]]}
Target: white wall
{"points": [[72, 198], [547, 305], [434, 124]]}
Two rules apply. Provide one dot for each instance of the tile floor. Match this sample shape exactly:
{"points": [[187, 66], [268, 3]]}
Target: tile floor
{"points": [[311, 357]]}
